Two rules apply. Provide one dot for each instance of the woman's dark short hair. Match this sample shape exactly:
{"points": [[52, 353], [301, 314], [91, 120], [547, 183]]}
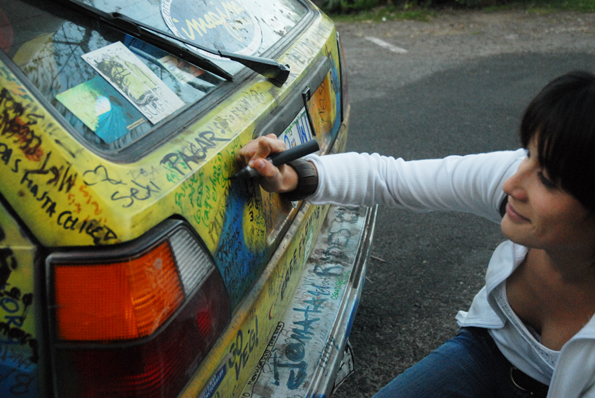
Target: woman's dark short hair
{"points": [[563, 117]]}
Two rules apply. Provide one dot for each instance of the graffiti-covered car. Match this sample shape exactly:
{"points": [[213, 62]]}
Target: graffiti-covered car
{"points": [[131, 265]]}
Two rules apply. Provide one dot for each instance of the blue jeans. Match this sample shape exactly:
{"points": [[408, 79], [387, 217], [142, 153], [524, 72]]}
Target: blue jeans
{"points": [[467, 366]]}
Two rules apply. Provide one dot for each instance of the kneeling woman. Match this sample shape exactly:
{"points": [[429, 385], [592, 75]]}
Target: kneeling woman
{"points": [[529, 331]]}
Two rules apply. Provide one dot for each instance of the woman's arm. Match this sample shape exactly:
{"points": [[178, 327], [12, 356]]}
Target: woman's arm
{"points": [[471, 183]]}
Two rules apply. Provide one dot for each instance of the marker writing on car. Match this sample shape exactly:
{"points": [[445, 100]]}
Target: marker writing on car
{"points": [[279, 158]]}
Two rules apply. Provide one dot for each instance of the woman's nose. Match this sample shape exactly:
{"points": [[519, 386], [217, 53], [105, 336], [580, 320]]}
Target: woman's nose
{"points": [[515, 185]]}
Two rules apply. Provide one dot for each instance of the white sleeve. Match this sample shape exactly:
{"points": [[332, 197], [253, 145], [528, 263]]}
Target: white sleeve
{"points": [[471, 183]]}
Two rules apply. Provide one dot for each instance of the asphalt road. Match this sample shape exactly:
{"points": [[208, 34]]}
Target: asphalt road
{"points": [[460, 87]]}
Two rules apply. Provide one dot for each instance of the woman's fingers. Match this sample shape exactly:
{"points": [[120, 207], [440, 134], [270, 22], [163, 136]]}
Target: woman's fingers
{"points": [[255, 153], [260, 148], [267, 145]]}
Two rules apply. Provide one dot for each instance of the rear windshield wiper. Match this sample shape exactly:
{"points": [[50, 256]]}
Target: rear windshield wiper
{"points": [[159, 38]]}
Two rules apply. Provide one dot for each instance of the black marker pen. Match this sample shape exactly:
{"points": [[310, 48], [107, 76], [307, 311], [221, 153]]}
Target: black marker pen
{"points": [[280, 158]]}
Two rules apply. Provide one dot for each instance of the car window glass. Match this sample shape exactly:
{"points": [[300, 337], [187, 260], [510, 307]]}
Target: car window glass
{"points": [[115, 89], [248, 27]]}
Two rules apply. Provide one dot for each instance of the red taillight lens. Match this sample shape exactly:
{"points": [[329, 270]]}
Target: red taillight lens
{"points": [[139, 323], [118, 301], [156, 368]]}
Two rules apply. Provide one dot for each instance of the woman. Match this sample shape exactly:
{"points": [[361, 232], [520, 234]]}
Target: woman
{"points": [[529, 332]]}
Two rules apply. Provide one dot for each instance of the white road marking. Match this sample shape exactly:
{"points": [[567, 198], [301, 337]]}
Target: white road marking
{"points": [[386, 45]]}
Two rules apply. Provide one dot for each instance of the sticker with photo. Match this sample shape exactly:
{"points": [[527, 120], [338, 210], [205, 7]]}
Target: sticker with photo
{"points": [[135, 81], [101, 108]]}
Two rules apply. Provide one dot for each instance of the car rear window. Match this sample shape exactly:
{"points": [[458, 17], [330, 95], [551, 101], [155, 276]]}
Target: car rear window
{"points": [[115, 89]]}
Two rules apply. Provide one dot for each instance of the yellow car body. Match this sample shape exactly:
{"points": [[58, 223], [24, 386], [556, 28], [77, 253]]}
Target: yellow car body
{"points": [[72, 214]]}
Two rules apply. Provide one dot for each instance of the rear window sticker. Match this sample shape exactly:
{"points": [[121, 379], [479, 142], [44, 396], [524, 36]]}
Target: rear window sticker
{"points": [[217, 24], [135, 81], [101, 108], [181, 70]]}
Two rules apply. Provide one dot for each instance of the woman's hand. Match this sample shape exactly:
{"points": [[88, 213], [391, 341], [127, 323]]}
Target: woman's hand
{"points": [[273, 179]]}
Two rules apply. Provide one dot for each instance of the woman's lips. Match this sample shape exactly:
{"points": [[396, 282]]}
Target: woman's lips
{"points": [[512, 213]]}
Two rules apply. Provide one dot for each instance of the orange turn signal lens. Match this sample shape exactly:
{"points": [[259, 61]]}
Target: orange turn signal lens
{"points": [[117, 301]]}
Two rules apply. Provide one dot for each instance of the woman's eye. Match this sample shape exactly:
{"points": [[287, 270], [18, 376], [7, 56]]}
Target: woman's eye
{"points": [[545, 181]]}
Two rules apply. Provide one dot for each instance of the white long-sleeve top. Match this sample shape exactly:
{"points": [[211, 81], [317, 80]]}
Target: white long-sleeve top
{"points": [[471, 184]]}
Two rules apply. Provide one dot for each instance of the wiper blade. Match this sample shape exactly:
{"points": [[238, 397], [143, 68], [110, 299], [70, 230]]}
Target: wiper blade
{"points": [[264, 66], [128, 26]]}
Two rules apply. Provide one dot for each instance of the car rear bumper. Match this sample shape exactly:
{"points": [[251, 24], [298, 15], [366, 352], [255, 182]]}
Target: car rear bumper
{"points": [[306, 349]]}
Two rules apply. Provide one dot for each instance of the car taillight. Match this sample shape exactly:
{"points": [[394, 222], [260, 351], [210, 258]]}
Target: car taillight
{"points": [[136, 321], [116, 301]]}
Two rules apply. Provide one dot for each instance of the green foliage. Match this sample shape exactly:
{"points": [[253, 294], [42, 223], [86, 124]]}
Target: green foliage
{"points": [[347, 6], [416, 9], [470, 3], [553, 5]]}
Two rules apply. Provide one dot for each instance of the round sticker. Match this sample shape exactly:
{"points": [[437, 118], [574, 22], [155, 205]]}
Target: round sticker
{"points": [[216, 24]]}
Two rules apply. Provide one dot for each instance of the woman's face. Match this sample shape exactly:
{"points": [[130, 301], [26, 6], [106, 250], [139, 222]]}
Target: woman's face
{"points": [[540, 214]]}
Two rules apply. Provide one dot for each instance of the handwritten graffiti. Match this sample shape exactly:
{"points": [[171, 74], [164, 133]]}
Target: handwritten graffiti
{"points": [[321, 109], [17, 307], [99, 174], [212, 19], [334, 255], [73, 201], [194, 152], [283, 275], [6, 156], [288, 273], [149, 173], [13, 303], [339, 284], [305, 345], [138, 191], [9, 303], [60, 177], [205, 191], [299, 254], [63, 180], [240, 350], [19, 350], [18, 377], [99, 233], [179, 163], [8, 263], [246, 105], [266, 356], [43, 182], [14, 124], [228, 218], [301, 332], [303, 52], [16, 366], [240, 265]]}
